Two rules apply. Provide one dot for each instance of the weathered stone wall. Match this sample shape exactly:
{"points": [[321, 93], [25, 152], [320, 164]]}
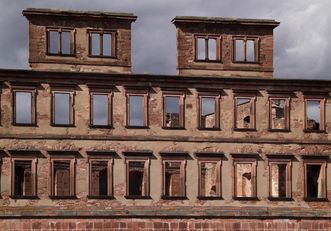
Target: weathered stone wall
{"points": [[164, 224], [188, 66], [81, 61], [83, 138]]}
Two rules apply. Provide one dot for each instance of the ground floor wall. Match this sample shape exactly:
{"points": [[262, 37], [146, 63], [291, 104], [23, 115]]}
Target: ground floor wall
{"points": [[163, 224]]}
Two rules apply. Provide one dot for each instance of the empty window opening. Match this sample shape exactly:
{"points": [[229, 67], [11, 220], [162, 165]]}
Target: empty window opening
{"points": [[172, 111], [208, 179], [206, 49], [23, 108], [100, 112], [99, 178], [278, 120], [313, 115], [60, 42], [208, 112], [278, 180], [136, 110], [245, 50], [244, 113], [173, 179], [61, 177], [137, 178], [62, 108], [315, 185], [244, 181], [101, 44], [23, 178]]}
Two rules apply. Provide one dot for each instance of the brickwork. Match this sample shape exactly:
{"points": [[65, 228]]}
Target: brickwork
{"points": [[163, 224]]}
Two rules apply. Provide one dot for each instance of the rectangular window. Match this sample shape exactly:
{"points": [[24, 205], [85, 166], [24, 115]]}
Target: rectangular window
{"points": [[207, 48], [174, 179], [102, 43], [279, 118], [245, 50], [209, 112], [210, 179], [314, 115], [100, 178], [137, 178], [60, 41], [245, 176], [23, 178], [315, 180], [280, 177], [24, 108], [244, 113], [101, 109], [62, 106], [137, 110], [173, 116], [62, 178]]}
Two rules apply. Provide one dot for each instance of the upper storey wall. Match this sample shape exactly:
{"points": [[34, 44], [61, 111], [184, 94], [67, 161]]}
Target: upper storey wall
{"points": [[224, 47], [62, 40]]}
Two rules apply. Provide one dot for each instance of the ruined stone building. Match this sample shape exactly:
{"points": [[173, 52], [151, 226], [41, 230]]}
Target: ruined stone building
{"points": [[221, 145]]}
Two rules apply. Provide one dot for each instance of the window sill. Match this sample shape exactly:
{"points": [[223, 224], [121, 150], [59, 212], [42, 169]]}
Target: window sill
{"points": [[209, 129], [102, 56], [207, 61], [137, 127], [62, 55], [24, 125], [280, 199], [279, 130], [16, 197], [174, 198], [312, 199], [314, 131], [209, 198], [246, 198], [101, 126], [174, 128], [245, 62], [245, 129], [63, 197], [136, 197], [63, 125], [101, 197]]}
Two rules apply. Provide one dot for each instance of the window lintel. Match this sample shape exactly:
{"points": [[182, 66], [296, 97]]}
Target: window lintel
{"points": [[138, 153], [216, 155]]}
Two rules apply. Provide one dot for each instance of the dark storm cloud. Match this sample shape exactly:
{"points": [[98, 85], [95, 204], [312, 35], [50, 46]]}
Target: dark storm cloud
{"points": [[301, 41]]}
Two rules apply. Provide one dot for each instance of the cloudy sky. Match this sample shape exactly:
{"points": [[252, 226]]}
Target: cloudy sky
{"points": [[302, 46]]}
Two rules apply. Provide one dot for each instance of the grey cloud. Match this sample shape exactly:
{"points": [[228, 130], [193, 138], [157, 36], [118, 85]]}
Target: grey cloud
{"points": [[301, 41]]}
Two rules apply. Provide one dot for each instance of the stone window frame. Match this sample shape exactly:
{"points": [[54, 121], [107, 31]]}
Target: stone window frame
{"points": [[245, 158], [322, 99], [252, 96], [217, 97], [210, 157], [137, 92], [64, 155], [109, 110], [34, 92], [256, 49], [24, 155], [178, 157], [101, 33], [206, 37], [287, 116], [316, 160], [59, 43], [281, 159], [138, 156], [104, 156], [72, 94], [181, 93]]}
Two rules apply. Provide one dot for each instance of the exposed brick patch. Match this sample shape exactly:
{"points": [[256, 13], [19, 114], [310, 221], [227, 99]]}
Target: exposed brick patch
{"points": [[163, 224]]}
